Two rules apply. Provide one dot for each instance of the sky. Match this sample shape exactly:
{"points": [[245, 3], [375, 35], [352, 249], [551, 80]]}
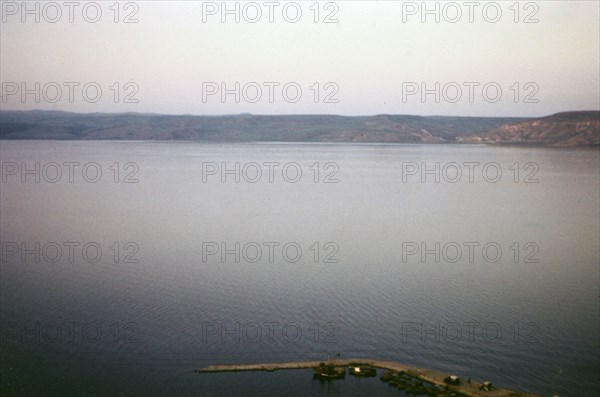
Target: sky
{"points": [[462, 58]]}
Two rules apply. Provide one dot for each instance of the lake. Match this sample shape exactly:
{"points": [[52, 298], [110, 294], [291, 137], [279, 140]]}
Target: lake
{"points": [[126, 265]]}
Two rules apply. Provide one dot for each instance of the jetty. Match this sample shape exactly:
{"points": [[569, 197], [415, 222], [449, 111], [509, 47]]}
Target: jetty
{"points": [[436, 378]]}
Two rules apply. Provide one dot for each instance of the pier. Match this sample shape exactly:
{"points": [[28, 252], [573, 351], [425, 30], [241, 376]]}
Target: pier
{"points": [[425, 375]]}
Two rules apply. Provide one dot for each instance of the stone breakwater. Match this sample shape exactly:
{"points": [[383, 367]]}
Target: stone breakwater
{"points": [[436, 378]]}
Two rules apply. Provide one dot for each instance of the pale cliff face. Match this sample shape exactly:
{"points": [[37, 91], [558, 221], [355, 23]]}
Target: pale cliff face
{"points": [[563, 129]]}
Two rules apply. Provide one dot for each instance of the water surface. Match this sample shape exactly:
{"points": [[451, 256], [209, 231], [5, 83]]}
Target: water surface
{"points": [[531, 327]]}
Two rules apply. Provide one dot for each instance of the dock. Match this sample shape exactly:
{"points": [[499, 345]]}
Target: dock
{"points": [[425, 375]]}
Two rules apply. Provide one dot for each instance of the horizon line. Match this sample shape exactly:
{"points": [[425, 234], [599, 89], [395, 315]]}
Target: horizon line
{"points": [[289, 114]]}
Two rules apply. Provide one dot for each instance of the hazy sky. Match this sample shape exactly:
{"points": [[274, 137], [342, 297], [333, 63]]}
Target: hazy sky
{"points": [[377, 58]]}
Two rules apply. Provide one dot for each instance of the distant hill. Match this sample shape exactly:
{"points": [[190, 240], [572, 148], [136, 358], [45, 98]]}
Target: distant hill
{"points": [[568, 129], [561, 129]]}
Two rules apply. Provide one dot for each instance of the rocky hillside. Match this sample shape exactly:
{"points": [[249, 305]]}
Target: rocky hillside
{"points": [[561, 129]]}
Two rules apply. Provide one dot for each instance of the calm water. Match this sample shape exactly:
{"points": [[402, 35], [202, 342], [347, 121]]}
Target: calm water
{"points": [[89, 326]]}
